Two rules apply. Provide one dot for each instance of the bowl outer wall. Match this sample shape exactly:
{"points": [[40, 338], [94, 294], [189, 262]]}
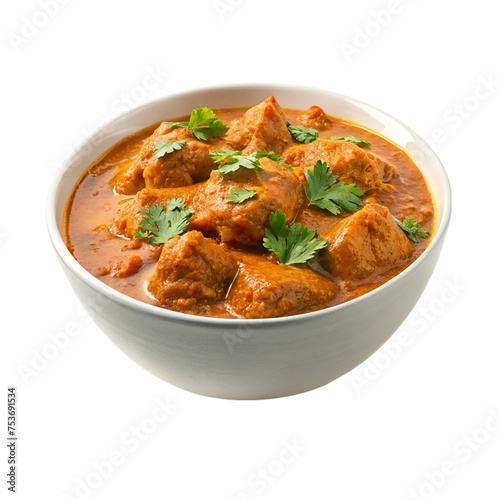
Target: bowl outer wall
{"points": [[251, 359], [255, 360]]}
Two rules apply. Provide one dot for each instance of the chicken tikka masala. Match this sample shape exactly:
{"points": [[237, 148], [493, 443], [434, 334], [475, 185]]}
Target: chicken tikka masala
{"points": [[249, 213]]}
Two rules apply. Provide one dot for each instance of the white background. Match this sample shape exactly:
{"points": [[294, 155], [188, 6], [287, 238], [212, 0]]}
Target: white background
{"points": [[380, 432]]}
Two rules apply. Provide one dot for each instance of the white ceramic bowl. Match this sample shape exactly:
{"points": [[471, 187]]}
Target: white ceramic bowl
{"points": [[251, 359]]}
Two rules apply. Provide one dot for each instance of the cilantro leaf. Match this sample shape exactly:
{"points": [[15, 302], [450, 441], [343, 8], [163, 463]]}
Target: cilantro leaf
{"points": [[203, 124], [166, 147], [248, 162], [178, 124], [226, 154], [200, 117], [303, 134], [237, 195], [232, 161], [292, 245], [274, 157], [412, 229], [341, 198], [359, 142], [159, 225], [324, 192]]}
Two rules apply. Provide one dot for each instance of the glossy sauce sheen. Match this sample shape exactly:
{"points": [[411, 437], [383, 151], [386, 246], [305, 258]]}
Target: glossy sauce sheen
{"points": [[93, 206]]}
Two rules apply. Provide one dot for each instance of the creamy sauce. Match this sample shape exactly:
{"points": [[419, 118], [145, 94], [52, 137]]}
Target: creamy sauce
{"points": [[93, 206]]}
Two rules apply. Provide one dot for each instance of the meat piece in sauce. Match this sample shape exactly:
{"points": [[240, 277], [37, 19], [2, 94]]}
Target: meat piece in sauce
{"points": [[315, 118], [346, 160], [261, 128], [190, 164], [129, 179], [123, 268], [365, 242], [129, 218], [245, 223], [214, 214], [385, 170], [266, 289], [192, 271]]}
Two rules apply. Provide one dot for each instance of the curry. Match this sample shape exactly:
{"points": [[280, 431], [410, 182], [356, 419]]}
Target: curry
{"points": [[249, 213]]}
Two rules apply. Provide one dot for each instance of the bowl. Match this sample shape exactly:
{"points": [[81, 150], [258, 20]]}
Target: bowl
{"points": [[258, 358]]}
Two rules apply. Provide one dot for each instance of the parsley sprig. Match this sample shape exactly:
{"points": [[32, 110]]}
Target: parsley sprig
{"points": [[324, 192], [239, 195], [203, 124], [167, 147], [360, 142], [292, 245], [412, 229], [303, 134], [159, 225], [232, 161]]}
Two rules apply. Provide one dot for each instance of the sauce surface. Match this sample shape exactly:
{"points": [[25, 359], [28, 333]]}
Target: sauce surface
{"points": [[261, 287]]}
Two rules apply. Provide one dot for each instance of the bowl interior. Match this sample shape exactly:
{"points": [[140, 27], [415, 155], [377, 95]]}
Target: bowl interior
{"points": [[237, 96]]}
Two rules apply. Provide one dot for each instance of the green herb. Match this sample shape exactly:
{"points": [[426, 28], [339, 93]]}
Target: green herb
{"points": [[226, 154], [159, 225], [412, 229], [324, 192], [303, 134], [292, 245], [231, 161], [274, 157], [237, 195], [359, 142], [166, 147], [203, 124]]}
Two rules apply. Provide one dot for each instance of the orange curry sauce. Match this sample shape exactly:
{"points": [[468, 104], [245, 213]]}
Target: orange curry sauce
{"points": [[93, 207]]}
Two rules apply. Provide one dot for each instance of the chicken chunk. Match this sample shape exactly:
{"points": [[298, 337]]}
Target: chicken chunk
{"points": [[122, 268], [128, 218], [245, 223], [315, 118], [190, 164], [214, 215], [129, 179], [265, 289], [261, 128], [192, 270], [385, 170], [346, 160], [366, 242]]}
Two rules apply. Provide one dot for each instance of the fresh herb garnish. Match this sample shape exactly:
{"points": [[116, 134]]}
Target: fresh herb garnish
{"points": [[303, 134], [361, 143], [292, 245], [159, 225], [412, 229], [239, 195], [225, 155], [203, 124], [166, 147], [324, 192], [274, 157], [231, 161]]}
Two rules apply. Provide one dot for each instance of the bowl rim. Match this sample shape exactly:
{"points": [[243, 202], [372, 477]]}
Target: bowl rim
{"points": [[55, 232]]}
